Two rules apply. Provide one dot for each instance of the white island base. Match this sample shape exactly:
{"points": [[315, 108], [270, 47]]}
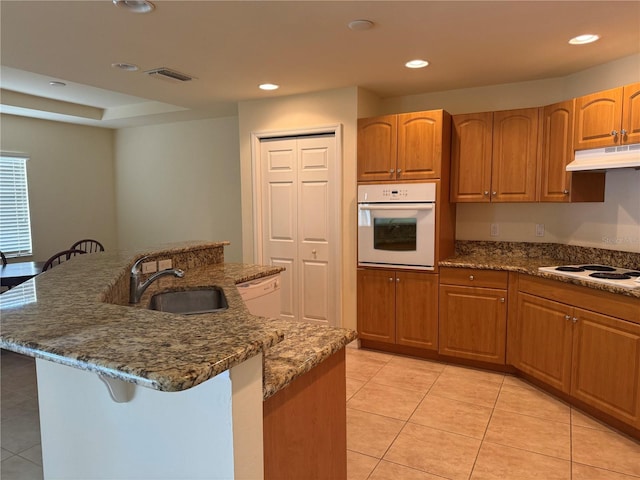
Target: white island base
{"points": [[210, 431]]}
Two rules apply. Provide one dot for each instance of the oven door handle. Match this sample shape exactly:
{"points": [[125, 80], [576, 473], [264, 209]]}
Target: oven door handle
{"points": [[422, 206]]}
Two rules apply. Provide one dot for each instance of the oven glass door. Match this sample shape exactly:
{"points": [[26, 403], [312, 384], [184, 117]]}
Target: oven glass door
{"points": [[396, 235]]}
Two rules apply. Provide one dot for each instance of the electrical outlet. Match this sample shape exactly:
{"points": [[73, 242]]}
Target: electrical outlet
{"points": [[165, 264], [149, 267], [494, 230], [539, 229]]}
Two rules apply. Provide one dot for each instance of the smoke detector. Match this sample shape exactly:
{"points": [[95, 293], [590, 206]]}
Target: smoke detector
{"points": [[168, 74]]}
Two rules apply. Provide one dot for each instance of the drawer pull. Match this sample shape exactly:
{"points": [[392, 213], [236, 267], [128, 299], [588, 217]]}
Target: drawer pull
{"points": [[501, 299], [567, 317], [470, 277]]}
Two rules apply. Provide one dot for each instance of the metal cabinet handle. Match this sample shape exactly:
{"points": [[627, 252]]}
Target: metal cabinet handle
{"points": [[574, 319], [501, 299], [614, 133], [566, 192], [623, 132], [397, 280], [470, 277], [391, 171], [399, 171], [567, 317], [494, 193], [486, 192], [390, 279]]}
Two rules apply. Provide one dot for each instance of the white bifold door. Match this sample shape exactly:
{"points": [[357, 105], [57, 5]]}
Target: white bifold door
{"points": [[300, 223]]}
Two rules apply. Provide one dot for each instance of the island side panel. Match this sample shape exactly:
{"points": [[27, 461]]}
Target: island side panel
{"points": [[160, 435], [305, 425]]}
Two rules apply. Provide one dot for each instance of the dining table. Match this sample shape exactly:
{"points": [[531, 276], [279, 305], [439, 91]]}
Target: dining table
{"points": [[13, 274]]}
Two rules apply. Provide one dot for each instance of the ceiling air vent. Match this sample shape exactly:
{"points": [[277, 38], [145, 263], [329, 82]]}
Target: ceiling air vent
{"points": [[168, 74]]}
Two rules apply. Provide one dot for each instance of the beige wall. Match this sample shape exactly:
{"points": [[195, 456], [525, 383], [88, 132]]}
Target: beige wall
{"points": [[179, 181], [614, 224], [298, 112], [71, 181]]}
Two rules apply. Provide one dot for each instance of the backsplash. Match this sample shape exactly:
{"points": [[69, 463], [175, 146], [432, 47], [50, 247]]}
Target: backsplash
{"points": [[183, 256], [569, 254]]}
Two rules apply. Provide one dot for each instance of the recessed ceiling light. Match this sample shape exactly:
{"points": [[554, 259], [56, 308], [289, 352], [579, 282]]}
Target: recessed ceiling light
{"points": [[135, 6], [583, 39], [360, 25], [128, 67], [416, 63], [268, 86], [55, 83]]}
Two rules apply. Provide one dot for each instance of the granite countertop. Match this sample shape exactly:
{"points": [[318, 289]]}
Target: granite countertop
{"points": [[528, 257], [77, 314]]}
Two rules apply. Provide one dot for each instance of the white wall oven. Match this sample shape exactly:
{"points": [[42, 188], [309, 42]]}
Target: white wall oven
{"points": [[396, 225]]}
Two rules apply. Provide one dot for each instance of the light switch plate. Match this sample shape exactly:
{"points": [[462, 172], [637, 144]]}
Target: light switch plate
{"points": [[494, 232], [165, 264], [539, 229], [149, 267]]}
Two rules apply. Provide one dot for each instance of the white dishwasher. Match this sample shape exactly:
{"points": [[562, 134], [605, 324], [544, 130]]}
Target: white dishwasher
{"points": [[262, 296]]}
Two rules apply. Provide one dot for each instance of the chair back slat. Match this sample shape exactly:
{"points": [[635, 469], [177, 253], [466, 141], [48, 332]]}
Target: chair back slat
{"points": [[88, 245], [60, 257]]}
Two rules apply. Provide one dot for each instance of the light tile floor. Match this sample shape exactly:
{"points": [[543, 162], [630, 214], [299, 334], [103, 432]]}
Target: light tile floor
{"points": [[407, 419], [411, 419]]}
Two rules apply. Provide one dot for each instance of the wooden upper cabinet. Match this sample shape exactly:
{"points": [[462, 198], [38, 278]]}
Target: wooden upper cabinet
{"points": [[557, 151], [556, 184], [409, 146], [377, 148], [471, 153], [419, 145], [608, 118], [515, 150], [631, 113]]}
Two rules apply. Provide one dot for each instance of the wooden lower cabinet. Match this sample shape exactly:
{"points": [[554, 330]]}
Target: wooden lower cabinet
{"points": [[305, 425], [594, 358], [473, 323], [543, 340], [606, 364], [398, 307]]}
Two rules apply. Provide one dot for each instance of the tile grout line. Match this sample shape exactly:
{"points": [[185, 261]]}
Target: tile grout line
{"points": [[493, 409]]}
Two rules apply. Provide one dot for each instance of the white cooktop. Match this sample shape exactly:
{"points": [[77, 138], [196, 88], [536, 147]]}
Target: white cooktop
{"points": [[633, 281]]}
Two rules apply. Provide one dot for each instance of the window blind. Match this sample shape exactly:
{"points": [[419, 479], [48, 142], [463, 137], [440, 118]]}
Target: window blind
{"points": [[15, 223]]}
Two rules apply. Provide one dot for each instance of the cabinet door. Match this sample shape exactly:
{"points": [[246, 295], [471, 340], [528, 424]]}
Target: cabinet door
{"points": [[515, 150], [606, 365], [473, 323], [417, 310], [597, 116], [631, 113], [377, 148], [471, 151], [557, 152], [376, 305], [543, 340], [419, 145]]}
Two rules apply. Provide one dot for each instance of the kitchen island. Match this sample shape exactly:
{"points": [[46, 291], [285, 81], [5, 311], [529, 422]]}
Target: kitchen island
{"points": [[153, 394]]}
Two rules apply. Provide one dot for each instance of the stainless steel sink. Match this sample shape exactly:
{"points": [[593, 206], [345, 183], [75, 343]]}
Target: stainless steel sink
{"points": [[190, 302]]}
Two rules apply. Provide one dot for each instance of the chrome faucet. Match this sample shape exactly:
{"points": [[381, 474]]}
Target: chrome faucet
{"points": [[136, 288]]}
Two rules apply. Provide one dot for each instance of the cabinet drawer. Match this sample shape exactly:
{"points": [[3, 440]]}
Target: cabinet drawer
{"points": [[472, 277]]}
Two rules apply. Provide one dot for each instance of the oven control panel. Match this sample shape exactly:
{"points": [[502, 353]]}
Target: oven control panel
{"points": [[397, 192]]}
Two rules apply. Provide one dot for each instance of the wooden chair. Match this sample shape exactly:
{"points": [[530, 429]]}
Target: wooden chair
{"points": [[4, 259], [88, 246], [60, 257]]}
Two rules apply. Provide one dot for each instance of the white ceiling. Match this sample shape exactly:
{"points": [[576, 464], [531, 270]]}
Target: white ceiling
{"points": [[232, 46]]}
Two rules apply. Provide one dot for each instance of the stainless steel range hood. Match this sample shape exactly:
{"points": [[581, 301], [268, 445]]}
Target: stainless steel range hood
{"points": [[625, 156]]}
